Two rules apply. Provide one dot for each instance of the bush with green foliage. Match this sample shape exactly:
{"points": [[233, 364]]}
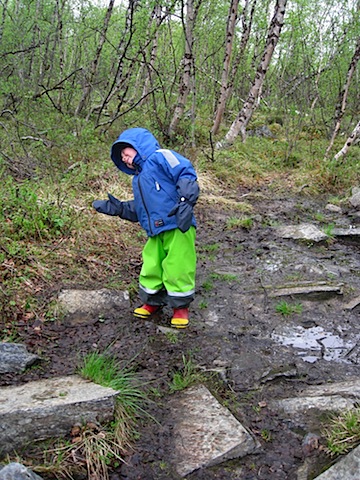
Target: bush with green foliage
{"points": [[25, 215]]}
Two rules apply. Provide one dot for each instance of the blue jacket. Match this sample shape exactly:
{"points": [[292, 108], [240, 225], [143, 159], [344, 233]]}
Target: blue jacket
{"points": [[164, 184]]}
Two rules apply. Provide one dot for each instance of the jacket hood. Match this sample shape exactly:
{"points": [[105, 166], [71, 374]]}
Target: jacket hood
{"points": [[141, 140]]}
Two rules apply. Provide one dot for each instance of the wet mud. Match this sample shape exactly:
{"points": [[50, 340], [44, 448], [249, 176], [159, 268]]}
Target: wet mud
{"points": [[249, 351]]}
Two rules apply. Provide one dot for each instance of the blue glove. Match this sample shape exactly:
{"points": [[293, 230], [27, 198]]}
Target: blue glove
{"points": [[188, 191], [184, 214], [113, 206]]}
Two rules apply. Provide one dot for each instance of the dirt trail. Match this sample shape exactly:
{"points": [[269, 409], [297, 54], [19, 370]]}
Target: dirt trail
{"points": [[236, 334]]}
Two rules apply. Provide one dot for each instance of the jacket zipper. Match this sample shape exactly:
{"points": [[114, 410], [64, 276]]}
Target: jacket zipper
{"points": [[145, 207]]}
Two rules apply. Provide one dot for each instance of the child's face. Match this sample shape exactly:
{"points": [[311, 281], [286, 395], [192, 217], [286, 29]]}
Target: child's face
{"points": [[127, 155]]}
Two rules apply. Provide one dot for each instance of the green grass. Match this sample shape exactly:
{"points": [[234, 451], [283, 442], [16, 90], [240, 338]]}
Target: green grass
{"points": [[342, 433], [286, 309], [225, 277], [329, 230], [213, 247], [203, 304], [235, 222], [27, 213], [105, 370], [207, 285], [186, 376]]}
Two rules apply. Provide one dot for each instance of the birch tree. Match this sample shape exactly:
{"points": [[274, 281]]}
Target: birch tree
{"points": [[192, 8], [94, 65], [229, 41], [240, 123], [350, 141], [117, 79], [149, 64], [344, 95], [3, 16]]}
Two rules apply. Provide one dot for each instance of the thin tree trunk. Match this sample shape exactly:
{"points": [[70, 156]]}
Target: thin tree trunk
{"points": [[343, 96], [354, 135], [229, 39], [60, 6], [3, 17], [117, 80], [187, 64], [149, 66], [36, 40], [244, 116], [247, 24], [95, 62]]}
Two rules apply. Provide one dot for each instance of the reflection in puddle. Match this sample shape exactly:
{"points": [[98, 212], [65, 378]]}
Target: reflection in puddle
{"points": [[314, 343]]}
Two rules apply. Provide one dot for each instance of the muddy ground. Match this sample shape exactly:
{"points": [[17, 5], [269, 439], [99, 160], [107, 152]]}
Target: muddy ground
{"points": [[236, 335]]}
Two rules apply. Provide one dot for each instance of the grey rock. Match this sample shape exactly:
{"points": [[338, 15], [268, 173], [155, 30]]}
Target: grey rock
{"points": [[16, 471], [82, 305], [303, 231], [49, 408], [311, 292], [335, 397], [333, 208], [348, 468], [355, 198], [263, 131], [14, 358], [205, 433], [352, 234], [352, 304]]}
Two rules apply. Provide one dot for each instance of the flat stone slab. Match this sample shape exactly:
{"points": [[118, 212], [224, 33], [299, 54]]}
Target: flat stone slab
{"points": [[352, 304], [304, 231], [49, 408], [330, 397], [316, 292], [348, 468], [352, 234], [82, 305], [205, 433]]}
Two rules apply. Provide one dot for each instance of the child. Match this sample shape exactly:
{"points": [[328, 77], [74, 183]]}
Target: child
{"points": [[165, 191]]}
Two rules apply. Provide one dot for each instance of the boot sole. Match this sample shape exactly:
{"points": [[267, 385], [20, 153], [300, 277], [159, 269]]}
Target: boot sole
{"points": [[179, 323]]}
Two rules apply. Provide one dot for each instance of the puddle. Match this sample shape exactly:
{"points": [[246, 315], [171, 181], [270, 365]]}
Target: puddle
{"points": [[314, 343]]}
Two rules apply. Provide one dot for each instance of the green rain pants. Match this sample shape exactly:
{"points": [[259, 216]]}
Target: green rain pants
{"points": [[167, 275]]}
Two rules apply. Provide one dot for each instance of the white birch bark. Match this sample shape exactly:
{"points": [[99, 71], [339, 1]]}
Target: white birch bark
{"points": [[240, 123], [229, 39], [344, 96], [187, 65], [354, 135], [153, 51]]}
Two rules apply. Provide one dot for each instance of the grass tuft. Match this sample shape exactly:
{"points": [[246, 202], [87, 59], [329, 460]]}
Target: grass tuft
{"points": [[343, 432], [186, 376], [286, 309]]}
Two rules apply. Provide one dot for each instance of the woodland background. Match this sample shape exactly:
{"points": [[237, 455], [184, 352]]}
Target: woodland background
{"points": [[201, 75]]}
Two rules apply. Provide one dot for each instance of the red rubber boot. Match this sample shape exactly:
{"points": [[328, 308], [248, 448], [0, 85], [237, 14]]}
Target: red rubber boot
{"points": [[146, 311], [180, 318]]}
